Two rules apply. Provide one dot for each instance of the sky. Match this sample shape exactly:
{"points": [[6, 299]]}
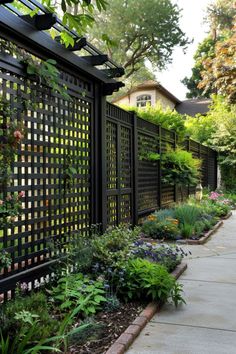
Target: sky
{"points": [[193, 25]]}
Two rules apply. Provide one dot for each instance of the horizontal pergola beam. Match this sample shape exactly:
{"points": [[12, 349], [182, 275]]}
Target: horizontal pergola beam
{"points": [[95, 60], [42, 21], [17, 30]]}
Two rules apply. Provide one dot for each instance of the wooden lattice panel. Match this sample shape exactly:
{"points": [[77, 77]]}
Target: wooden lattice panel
{"points": [[58, 134], [111, 141], [147, 172]]}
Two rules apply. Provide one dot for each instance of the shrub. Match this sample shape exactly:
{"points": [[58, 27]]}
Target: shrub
{"points": [[166, 229], [146, 280], [180, 168], [113, 246]]}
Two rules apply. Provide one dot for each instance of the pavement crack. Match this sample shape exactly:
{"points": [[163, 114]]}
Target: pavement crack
{"points": [[194, 326], [207, 281]]}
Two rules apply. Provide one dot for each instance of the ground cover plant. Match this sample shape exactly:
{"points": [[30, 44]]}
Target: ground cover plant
{"points": [[98, 289], [188, 220]]}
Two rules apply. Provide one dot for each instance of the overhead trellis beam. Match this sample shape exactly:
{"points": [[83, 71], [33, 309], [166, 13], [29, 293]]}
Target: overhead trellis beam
{"points": [[79, 44], [109, 88], [41, 21], [114, 72], [95, 60], [3, 2]]}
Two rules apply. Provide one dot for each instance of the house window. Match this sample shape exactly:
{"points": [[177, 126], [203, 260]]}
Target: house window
{"points": [[143, 100]]}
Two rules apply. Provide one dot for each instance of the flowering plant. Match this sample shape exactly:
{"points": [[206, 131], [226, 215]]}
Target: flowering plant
{"points": [[10, 208], [163, 229], [11, 136], [169, 256], [218, 197]]}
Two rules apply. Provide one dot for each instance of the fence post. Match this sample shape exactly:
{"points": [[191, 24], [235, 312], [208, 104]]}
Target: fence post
{"points": [[102, 162], [189, 150], [216, 169], [207, 170], [135, 170], [159, 197], [175, 187]]}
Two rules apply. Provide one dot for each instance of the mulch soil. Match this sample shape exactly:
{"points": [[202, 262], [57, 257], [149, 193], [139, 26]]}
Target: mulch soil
{"points": [[110, 326]]}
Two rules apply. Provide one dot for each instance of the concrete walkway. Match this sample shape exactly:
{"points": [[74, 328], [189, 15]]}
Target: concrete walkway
{"points": [[207, 324]]}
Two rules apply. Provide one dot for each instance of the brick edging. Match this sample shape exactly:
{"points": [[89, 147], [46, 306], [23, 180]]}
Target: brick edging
{"points": [[128, 336]]}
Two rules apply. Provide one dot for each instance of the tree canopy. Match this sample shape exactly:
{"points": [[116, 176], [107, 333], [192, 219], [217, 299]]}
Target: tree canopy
{"points": [[137, 30], [205, 50], [218, 130], [214, 69]]}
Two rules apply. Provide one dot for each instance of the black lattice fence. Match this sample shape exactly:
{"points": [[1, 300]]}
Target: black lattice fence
{"points": [[147, 193], [81, 161], [58, 135]]}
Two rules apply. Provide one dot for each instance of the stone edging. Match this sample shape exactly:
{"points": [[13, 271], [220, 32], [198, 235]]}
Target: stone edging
{"points": [[129, 335], [227, 216]]}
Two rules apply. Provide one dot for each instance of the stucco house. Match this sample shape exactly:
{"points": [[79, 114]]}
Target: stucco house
{"points": [[151, 92]]}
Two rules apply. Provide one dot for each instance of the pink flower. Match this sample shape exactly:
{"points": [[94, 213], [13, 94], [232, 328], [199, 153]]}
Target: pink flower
{"points": [[9, 197], [1, 202], [21, 194], [17, 134]]}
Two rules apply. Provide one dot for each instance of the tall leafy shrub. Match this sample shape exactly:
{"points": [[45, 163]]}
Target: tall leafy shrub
{"points": [[167, 118], [180, 168]]}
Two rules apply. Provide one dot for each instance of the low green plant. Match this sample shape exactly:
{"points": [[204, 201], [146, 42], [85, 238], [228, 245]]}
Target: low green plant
{"points": [[90, 331], [199, 228], [187, 214], [164, 214], [112, 303], [186, 230], [73, 289], [147, 280], [35, 303]]}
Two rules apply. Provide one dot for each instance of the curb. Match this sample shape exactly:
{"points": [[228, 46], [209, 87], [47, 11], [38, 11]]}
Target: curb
{"points": [[127, 338]]}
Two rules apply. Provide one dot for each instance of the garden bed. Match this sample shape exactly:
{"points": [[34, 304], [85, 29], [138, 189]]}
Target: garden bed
{"points": [[188, 223], [133, 330], [115, 275]]}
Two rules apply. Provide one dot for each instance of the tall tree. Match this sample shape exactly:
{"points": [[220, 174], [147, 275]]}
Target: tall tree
{"points": [[210, 72], [205, 50], [219, 72], [140, 30]]}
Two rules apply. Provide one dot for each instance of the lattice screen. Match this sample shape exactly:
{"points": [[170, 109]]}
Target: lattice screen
{"points": [[55, 207]]}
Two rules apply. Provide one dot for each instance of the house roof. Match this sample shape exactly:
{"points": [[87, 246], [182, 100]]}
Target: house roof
{"points": [[194, 106], [149, 84]]}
